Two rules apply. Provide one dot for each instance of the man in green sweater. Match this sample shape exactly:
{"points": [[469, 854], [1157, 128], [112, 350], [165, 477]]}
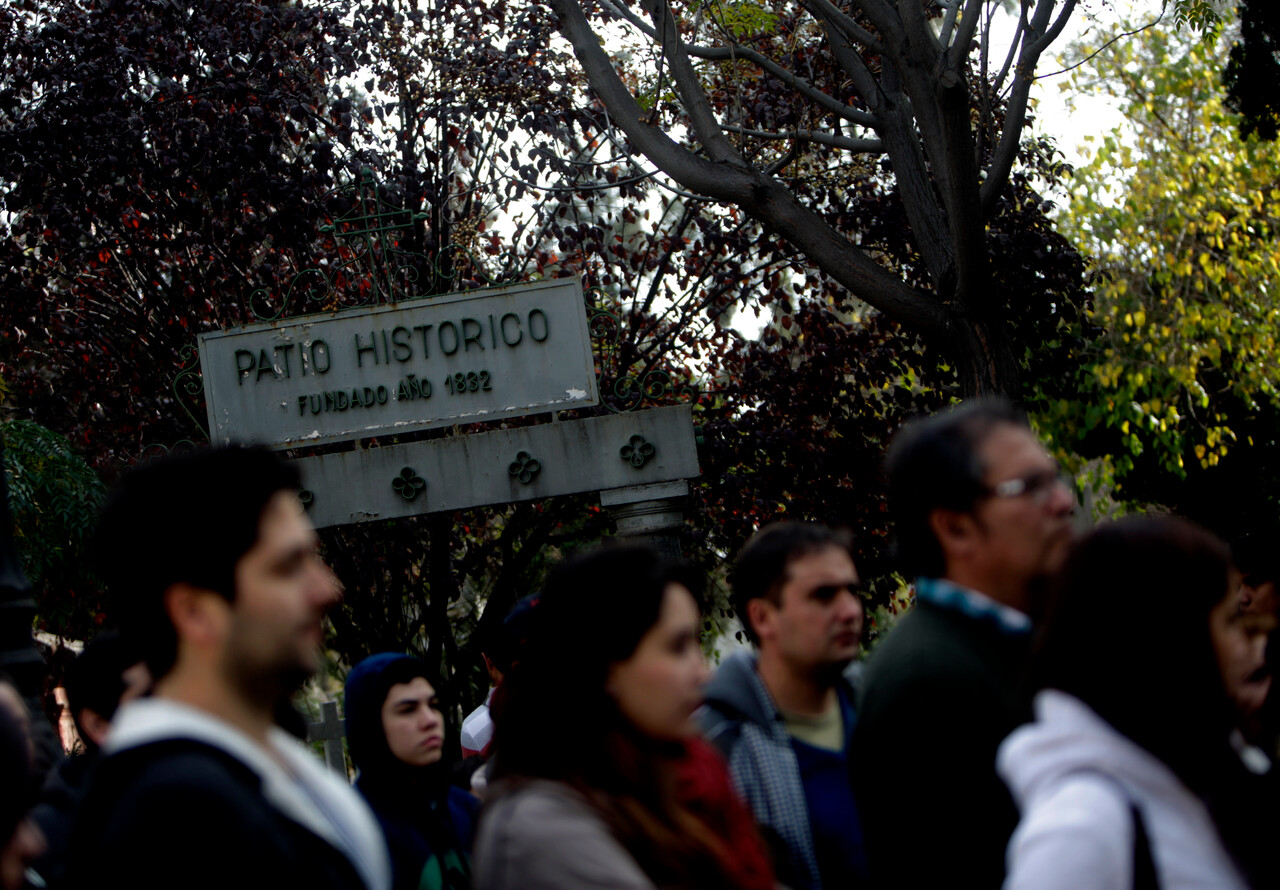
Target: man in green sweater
{"points": [[982, 517]]}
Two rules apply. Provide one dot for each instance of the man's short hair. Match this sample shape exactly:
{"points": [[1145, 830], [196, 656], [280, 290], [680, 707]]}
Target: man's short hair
{"points": [[95, 680], [1256, 555], [932, 463], [760, 571], [187, 518]]}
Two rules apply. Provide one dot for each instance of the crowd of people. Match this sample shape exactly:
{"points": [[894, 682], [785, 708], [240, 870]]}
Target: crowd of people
{"points": [[1060, 708]]}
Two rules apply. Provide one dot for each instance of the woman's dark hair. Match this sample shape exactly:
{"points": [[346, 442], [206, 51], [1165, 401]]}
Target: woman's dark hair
{"points": [[1127, 632], [555, 720], [592, 614]]}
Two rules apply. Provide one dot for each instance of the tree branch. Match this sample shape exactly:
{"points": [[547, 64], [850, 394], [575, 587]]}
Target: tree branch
{"points": [[860, 146], [1016, 110], [762, 197], [738, 52], [825, 9]]}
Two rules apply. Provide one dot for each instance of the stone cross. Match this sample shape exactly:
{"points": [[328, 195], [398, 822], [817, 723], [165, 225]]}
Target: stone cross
{"points": [[331, 730]]}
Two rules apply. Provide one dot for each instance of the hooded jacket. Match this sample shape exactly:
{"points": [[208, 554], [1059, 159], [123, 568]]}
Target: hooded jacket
{"points": [[1074, 777], [742, 721], [429, 825], [184, 799]]}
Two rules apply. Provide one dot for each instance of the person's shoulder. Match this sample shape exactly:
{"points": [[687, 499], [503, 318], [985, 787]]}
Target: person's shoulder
{"points": [[136, 790], [187, 763], [534, 798], [538, 835], [1079, 830], [171, 801], [538, 812], [928, 642]]}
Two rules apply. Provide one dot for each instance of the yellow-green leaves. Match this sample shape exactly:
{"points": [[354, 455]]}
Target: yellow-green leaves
{"points": [[1182, 218]]}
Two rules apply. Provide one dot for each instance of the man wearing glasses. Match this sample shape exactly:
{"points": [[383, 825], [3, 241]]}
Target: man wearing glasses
{"points": [[981, 519]]}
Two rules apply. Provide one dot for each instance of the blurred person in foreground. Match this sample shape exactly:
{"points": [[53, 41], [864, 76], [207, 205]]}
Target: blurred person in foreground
{"points": [[396, 736], [1127, 777], [981, 519], [600, 779], [106, 674], [1250, 667], [20, 840], [218, 581]]}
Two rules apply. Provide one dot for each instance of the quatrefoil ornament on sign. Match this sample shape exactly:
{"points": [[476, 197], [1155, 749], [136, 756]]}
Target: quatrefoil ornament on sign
{"points": [[524, 467], [637, 451], [409, 484]]}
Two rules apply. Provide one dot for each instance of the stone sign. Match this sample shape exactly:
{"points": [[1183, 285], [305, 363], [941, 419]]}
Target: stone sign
{"points": [[504, 466], [461, 358]]}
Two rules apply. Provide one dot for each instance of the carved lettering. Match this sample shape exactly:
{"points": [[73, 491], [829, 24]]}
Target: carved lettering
{"points": [[546, 328], [453, 334], [244, 365]]}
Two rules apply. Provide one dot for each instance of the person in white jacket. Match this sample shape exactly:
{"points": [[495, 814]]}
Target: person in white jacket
{"points": [[1131, 736]]}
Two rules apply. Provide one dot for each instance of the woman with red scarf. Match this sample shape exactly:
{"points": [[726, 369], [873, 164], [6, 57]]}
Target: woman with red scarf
{"points": [[599, 777]]}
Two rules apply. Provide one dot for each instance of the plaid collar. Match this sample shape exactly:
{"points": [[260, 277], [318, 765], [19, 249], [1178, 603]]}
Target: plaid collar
{"points": [[978, 606]]}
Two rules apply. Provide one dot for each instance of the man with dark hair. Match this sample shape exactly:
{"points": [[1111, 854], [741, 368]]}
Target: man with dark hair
{"points": [[219, 583], [981, 517], [783, 719], [1249, 664], [1257, 557], [106, 674]]}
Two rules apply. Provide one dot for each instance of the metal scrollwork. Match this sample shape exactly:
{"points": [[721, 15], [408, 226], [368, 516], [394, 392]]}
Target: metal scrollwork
{"points": [[447, 264], [188, 387], [371, 266], [159, 450], [310, 287], [655, 387], [637, 451], [409, 484]]}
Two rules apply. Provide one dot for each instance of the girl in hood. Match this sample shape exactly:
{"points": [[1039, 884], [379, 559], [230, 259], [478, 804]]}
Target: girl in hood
{"points": [[395, 733], [1118, 777], [600, 781]]}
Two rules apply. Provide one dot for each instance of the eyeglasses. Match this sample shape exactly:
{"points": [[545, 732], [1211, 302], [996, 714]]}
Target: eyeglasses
{"points": [[1037, 486]]}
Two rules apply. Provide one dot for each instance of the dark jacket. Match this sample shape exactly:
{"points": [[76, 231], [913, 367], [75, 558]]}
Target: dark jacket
{"points": [[183, 799], [940, 694], [55, 812], [429, 825], [182, 813]]}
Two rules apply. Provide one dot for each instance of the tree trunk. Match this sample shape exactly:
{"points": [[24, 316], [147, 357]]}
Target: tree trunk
{"points": [[984, 357]]}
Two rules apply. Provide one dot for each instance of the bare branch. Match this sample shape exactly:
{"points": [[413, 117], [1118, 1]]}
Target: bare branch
{"points": [[949, 22], [1020, 90], [825, 9], [788, 77], [1019, 36], [968, 27], [860, 146], [737, 52]]}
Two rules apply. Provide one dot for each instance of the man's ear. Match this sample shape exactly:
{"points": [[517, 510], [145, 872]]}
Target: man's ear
{"points": [[197, 615], [760, 614], [954, 531], [94, 725]]}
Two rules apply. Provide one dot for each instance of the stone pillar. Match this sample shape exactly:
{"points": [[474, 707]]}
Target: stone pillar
{"points": [[649, 514]]}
